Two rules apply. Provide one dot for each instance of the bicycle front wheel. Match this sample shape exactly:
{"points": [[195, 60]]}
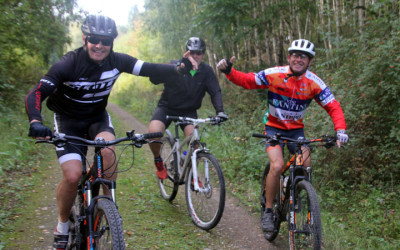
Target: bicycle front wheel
{"points": [[206, 205], [307, 218], [108, 232], [169, 187]]}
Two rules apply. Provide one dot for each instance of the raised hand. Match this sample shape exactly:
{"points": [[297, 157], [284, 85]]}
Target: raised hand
{"points": [[225, 66]]}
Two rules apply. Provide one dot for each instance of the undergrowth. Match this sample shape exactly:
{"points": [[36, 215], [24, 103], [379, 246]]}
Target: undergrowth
{"points": [[353, 215], [18, 156]]}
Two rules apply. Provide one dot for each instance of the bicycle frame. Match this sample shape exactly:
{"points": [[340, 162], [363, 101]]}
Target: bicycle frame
{"points": [[91, 185], [303, 216], [199, 171], [192, 142]]}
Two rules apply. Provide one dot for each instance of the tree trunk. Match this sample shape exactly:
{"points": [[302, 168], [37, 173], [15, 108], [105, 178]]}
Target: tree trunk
{"points": [[322, 19], [280, 51], [337, 20], [267, 40], [297, 15], [256, 39], [361, 15]]}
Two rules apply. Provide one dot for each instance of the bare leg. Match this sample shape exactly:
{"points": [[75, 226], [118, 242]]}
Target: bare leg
{"points": [[188, 130], [156, 126], [272, 181], [67, 189], [109, 160], [306, 156]]}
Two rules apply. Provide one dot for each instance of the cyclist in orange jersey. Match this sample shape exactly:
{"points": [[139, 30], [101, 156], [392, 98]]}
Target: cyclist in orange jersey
{"points": [[291, 89]]}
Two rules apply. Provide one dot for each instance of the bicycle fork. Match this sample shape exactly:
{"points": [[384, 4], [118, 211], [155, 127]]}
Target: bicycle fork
{"points": [[91, 185], [205, 187]]}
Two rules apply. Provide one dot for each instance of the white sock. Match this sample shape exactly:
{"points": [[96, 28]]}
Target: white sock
{"points": [[63, 227]]}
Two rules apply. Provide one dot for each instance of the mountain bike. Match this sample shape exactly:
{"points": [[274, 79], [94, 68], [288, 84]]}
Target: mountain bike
{"points": [[95, 222], [192, 164], [296, 201]]}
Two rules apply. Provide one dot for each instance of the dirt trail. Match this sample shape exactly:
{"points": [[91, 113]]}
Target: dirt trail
{"points": [[238, 229]]}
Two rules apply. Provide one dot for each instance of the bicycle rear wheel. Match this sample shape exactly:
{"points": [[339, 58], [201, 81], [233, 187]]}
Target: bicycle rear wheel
{"points": [[308, 232], [276, 207], [169, 186], [76, 238], [207, 204], [108, 232]]}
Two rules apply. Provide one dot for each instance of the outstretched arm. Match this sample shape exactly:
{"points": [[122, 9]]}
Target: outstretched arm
{"points": [[245, 80], [185, 64]]}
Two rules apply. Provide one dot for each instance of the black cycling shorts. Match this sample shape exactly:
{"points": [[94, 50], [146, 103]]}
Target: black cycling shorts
{"points": [[160, 114], [294, 134], [86, 128]]}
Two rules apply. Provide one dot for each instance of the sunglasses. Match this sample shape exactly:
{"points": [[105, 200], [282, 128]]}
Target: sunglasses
{"points": [[299, 56], [95, 40], [199, 53]]}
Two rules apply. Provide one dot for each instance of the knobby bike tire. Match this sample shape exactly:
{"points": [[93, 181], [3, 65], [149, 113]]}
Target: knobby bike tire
{"points": [[77, 235], [206, 207], [308, 233], [169, 186], [107, 226], [276, 207]]}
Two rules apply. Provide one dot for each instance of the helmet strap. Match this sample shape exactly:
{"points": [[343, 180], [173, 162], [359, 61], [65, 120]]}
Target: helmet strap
{"points": [[297, 74]]}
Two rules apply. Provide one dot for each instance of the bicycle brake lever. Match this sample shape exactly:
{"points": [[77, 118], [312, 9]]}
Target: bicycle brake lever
{"points": [[41, 141], [154, 141]]}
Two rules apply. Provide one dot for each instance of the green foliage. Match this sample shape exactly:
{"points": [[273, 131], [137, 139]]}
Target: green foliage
{"points": [[18, 156], [367, 86], [131, 88], [35, 34], [374, 212], [356, 184]]}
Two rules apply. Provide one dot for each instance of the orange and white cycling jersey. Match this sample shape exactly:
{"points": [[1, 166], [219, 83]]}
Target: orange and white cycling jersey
{"points": [[289, 96]]}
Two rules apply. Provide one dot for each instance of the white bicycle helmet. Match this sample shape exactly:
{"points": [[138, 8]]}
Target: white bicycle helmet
{"points": [[302, 45]]}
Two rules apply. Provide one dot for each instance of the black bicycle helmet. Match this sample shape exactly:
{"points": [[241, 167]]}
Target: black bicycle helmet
{"points": [[196, 44], [99, 25]]}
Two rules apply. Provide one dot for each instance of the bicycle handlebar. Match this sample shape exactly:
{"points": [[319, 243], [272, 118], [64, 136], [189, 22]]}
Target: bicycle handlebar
{"points": [[59, 139], [278, 138], [212, 120]]}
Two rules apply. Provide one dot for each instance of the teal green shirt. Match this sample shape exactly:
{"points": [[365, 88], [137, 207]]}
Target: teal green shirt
{"points": [[193, 72]]}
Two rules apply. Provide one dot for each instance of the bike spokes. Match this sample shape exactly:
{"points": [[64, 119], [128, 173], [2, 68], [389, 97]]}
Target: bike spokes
{"points": [[306, 232], [206, 203], [168, 187]]}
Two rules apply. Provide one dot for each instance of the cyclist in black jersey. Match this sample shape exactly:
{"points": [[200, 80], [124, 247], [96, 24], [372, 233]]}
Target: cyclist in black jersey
{"points": [[182, 96], [77, 89]]}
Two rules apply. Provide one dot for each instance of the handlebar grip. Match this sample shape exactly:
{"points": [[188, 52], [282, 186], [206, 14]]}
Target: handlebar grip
{"points": [[172, 118], [153, 135], [260, 135]]}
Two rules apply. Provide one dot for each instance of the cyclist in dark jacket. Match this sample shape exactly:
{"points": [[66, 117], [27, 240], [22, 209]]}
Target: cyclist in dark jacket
{"points": [[78, 87], [182, 96]]}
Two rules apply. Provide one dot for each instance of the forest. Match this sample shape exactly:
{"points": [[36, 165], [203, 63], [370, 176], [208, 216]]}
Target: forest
{"points": [[358, 53]]}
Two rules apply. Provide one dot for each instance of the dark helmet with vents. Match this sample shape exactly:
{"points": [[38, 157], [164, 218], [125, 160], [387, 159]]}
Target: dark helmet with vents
{"points": [[99, 25], [195, 44]]}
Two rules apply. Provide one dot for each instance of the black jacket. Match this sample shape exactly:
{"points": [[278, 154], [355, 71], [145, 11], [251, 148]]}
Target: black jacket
{"points": [[186, 92]]}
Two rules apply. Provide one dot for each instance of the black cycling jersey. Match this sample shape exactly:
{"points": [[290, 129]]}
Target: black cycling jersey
{"points": [[78, 87], [186, 92]]}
